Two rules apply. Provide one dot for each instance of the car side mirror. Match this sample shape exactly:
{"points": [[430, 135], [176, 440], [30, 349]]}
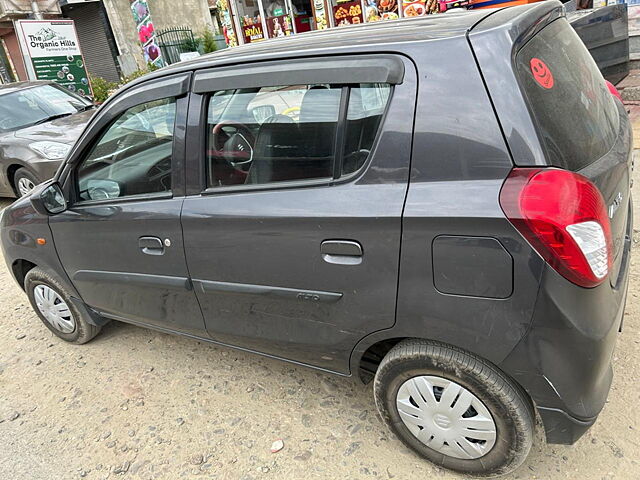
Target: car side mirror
{"points": [[49, 200]]}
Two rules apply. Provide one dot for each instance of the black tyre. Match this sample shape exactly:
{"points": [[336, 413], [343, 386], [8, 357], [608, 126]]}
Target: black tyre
{"points": [[24, 181], [53, 305], [454, 408]]}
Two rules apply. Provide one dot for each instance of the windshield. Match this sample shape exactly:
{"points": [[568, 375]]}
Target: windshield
{"points": [[34, 105]]}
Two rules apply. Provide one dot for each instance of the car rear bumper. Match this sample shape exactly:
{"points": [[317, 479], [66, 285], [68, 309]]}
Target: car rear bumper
{"points": [[564, 361]]}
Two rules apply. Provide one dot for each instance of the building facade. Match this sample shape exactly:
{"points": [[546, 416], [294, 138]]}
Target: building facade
{"points": [[113, 34]]}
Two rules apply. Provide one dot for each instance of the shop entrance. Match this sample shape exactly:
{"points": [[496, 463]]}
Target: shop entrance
{"points": [[303, 15], [262, 19], [250, 15]]}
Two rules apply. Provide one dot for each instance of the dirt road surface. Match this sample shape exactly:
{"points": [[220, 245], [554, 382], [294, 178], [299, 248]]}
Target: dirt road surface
{"points": [[135, 403]]}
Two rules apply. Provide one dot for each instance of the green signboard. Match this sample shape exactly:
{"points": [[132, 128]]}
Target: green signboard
{"points": [[52, 52]]}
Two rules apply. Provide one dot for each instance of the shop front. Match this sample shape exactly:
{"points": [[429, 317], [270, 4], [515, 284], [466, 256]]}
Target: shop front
{"points": [[248, 21]]}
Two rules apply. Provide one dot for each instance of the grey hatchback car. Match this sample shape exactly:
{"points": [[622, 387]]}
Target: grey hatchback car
{"points": [[39, 123], [440, 206]]}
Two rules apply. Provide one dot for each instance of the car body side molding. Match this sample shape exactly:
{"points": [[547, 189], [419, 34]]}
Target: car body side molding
{"points": [[140, 279], [208, 286]]}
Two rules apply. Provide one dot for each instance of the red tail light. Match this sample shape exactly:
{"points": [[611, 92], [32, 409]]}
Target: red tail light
{"points": [[613, 90], [564, 217]]}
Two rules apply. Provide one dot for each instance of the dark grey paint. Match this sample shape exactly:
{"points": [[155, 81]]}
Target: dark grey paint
{"points": [[274, 238], [472, 266], [436, 170]]}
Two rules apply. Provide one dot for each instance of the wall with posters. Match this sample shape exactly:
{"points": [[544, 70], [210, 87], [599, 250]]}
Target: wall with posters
{"points": [[52, 52], [165, 14], [146, 32]]}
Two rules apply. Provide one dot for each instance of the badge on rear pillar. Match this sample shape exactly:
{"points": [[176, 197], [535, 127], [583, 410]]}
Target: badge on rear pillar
{"points": [[615, 205]]}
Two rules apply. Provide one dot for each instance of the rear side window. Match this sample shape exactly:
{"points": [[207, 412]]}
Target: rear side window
{"points": [[287, 133], [575, 114]]}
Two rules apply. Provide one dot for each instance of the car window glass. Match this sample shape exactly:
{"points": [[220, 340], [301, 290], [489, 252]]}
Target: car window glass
{"points": [[133, 157], [367, 104], [574, 111], [31, 106], [272, 134]]}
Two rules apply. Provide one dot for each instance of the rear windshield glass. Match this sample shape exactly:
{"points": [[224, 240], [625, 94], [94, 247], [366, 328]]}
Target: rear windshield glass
{"points": [[576, 115]]}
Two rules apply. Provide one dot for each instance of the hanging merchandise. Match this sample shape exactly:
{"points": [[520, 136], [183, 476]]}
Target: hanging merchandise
{"points": [[320, 14], [146, 32], [227, 24]]}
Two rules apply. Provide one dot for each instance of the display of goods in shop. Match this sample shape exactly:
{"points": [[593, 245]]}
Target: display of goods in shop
{"points": [[320, 14], [411, 8], [279, 26], [449, 4], [381, 10], [349, 13], [253, 32]]}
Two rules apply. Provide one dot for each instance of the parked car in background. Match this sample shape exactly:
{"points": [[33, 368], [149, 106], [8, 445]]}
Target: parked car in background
{"points": [[330, 200], [39, 122]]}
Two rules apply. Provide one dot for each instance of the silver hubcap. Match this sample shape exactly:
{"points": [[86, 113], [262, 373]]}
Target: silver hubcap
{"points": [[54, 309], [25, 186], [446, 417]]}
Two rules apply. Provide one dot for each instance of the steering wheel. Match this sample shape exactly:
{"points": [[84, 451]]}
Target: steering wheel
{"points": [[236, 147]]}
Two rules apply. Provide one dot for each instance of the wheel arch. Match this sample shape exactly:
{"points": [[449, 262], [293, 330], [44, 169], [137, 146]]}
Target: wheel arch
{"points": [[11, 170], [20, 268]]}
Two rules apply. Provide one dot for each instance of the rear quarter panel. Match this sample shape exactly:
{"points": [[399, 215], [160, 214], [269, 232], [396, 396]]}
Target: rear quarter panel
{"points": [[459, 163]]}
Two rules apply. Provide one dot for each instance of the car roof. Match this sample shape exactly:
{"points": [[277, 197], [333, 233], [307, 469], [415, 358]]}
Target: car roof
{"points": [[12, 87], [366, 38]]}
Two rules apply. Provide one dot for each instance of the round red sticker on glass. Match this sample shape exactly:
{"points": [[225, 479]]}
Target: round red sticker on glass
{"points": [[541, 73]]}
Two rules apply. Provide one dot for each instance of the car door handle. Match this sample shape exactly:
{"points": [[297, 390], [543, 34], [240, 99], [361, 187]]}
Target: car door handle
{"points": [[341, 252], [151, 245]]}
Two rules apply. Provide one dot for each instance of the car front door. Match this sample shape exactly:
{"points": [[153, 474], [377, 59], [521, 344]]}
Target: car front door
{"points": [[292, 220], [120, 240]]}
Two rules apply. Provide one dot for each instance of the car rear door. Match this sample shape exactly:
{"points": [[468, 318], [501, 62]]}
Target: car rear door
{"points": [[292, 220], [120, 240]]}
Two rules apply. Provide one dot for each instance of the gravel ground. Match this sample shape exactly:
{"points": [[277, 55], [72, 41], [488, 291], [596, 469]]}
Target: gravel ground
{"points": [[135, 403]]}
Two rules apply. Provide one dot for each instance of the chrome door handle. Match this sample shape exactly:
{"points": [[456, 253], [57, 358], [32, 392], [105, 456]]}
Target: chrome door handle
{"points": [[151, 245], [341, 252]]}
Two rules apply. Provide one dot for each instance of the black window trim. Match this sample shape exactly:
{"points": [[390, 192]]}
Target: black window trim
{"points": [[333, 70], [73, 176], [173, 86], [337, 179]]}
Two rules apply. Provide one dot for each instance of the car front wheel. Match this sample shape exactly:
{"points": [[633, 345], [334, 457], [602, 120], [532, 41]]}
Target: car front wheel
{"points": [[24, 182], [454, 408], [52, 303]]}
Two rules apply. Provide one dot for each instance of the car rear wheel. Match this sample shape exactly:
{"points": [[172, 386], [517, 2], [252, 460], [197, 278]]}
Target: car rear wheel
{"points": [[454, 408], [24, 181], [52, 303]]}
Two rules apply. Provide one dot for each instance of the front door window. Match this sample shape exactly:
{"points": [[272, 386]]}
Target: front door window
{"points": [[133, 157]]}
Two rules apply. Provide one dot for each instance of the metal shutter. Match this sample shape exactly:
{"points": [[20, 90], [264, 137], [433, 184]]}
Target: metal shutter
{"points": [[92, 25]]}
